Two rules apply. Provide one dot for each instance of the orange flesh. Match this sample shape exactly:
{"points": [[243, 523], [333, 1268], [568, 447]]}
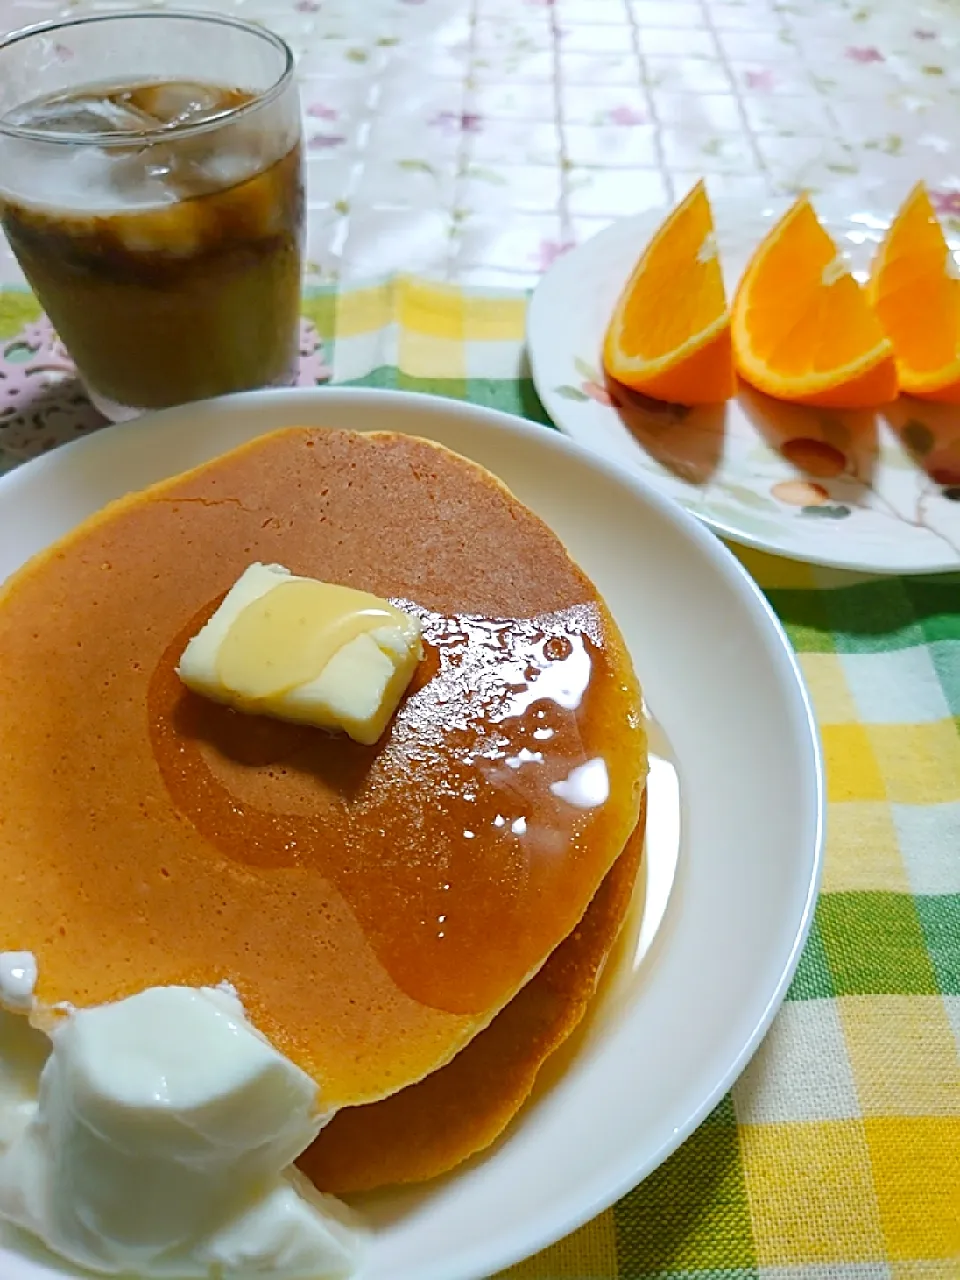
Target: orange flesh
{"points": [[915, 296], [797, 325], [679, 291], [148, 836], [705, 376], [669, 335], [802, 327]]}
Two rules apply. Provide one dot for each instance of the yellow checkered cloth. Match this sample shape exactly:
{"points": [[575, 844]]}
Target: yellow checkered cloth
{"points": [[836, 1156]]}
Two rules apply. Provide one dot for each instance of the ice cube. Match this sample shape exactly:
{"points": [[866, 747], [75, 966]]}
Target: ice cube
{"points": [[180, 102], [176, 169], [82, 115]]}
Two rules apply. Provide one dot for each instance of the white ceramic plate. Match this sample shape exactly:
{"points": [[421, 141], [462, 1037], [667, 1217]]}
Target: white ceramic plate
{"points": [[732, 868], [873, 492]]}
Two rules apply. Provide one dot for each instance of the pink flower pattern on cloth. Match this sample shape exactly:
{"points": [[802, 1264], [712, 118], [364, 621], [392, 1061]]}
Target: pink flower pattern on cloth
{"points": [[551, 250], [946, 203], [864, 54], [763, 80], [627, 116], [457, 122]]}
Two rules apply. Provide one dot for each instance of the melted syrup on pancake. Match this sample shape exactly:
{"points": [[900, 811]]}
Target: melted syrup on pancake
{"points": [[455, 838]]}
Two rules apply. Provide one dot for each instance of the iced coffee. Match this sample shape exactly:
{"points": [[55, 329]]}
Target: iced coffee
{"points": [[159, 222]]}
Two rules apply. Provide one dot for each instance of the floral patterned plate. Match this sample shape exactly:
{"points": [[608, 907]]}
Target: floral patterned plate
{"points": [[875, 492]]}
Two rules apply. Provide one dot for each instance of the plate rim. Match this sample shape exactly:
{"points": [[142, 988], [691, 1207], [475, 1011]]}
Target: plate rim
{"points": [[546, 1229], [646, 224]]}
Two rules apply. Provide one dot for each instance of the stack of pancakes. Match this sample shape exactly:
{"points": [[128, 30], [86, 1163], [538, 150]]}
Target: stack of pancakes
{"points": [[417, 924]]}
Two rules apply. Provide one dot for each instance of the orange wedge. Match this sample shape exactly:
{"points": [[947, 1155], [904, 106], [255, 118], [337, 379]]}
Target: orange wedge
{"points": [[803, 329], [670, 333], [915, 290]]}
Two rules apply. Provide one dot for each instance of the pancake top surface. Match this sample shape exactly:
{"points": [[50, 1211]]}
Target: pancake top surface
{"points": [[374, 907]]}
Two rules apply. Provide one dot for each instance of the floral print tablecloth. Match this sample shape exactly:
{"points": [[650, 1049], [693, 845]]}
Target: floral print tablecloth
{"points": [[474, 140]]}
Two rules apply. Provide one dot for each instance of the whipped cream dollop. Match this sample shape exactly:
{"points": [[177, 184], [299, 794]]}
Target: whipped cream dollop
{"points": [[18, 978], [159, 1142]]}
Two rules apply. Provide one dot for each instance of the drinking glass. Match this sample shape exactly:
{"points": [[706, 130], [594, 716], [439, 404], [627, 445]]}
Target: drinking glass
{"points": [[151, 189]]}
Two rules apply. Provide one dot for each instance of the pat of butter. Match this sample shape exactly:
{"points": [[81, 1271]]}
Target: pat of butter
{"points": [[308, 651]]}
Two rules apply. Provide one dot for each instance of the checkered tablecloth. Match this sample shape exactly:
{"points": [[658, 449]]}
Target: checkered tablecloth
{"points": [[837, 1154]]}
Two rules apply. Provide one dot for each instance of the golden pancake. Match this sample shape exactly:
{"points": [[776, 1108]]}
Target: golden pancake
{"points": [[430, 1127], [375, 907]]}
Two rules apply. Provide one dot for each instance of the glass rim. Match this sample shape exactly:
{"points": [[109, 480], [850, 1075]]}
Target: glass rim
{"points": [[118, 137]]}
